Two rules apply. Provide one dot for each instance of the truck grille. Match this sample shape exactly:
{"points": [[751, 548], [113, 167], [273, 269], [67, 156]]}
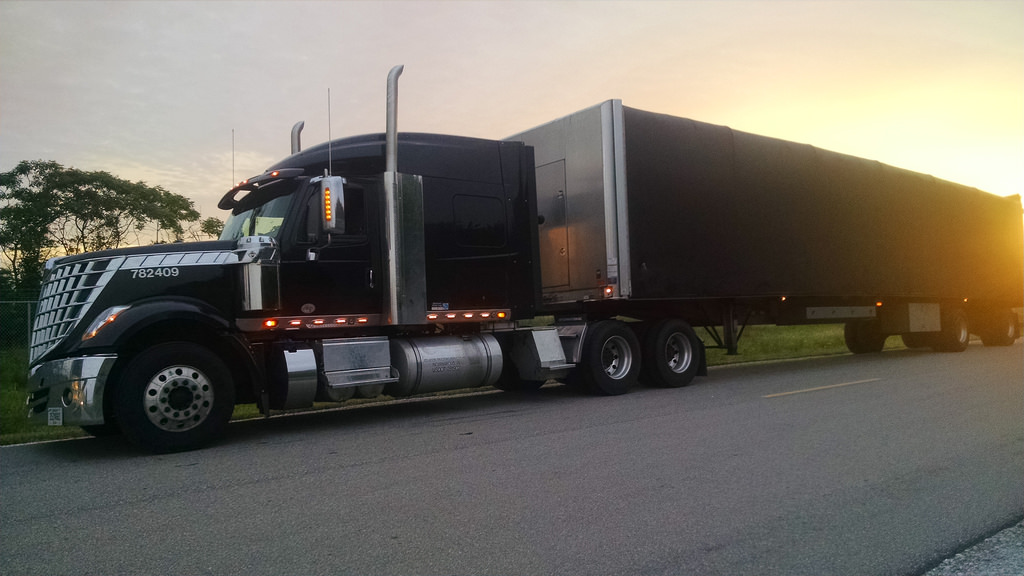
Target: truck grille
{"points": [[67, 294]]}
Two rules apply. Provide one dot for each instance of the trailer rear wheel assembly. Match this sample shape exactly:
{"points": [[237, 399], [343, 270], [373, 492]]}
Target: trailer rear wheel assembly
{"points": [[672, 354], [955, 335], [863, 336], [917, 339], [174, 396], [610, 362], [1000, 330]]}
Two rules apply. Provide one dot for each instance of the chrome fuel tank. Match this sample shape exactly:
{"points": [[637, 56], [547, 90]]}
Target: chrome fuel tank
{"points": [[431, 364]]}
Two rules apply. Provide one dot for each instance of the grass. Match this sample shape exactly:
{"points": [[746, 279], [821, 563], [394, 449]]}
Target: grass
{"points": [[759, 343]]}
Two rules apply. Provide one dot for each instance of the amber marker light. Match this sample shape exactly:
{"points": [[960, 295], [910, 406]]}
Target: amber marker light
{"points": [[609, 291], [270, 323], [501, 314], [878, 304]]}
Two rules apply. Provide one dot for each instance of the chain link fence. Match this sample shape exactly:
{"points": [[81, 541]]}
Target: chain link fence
{"points": [[15, 338]]}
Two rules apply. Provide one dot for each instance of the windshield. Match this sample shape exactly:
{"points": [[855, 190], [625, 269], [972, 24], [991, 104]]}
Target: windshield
{"points": [[263, 220]]}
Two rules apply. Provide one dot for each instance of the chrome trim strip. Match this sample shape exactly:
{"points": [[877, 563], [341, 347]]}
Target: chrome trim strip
{"points": [[625, 284]]}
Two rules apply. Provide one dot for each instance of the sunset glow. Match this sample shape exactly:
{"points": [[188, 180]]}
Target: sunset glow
{"points": [[153, 90]]}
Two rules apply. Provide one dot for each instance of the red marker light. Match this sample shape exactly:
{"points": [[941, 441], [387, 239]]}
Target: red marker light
{"points": [[296, 322], [431, 316]]}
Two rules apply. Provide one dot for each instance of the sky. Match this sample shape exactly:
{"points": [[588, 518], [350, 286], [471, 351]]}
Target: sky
{"points": [[194, 96]]}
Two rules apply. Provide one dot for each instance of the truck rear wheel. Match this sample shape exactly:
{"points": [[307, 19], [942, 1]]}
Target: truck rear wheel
{"points": [[863, 336], [174, 396], [671, 354], [610, 359], [1000, 330]]}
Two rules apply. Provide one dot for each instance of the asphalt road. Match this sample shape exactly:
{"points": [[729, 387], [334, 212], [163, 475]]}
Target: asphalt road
{"points": [[875, 464]]}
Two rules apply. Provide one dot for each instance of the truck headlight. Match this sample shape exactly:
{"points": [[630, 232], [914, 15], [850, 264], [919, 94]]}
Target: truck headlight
{"points": [[107, 317]]}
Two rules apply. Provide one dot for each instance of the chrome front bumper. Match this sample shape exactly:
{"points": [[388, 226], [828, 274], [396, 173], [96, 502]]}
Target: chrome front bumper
{"points": [[69, 391]]}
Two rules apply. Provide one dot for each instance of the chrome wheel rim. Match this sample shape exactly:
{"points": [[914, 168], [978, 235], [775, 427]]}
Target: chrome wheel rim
{"points": [[178, 398], [616, 357], [679, 353]]}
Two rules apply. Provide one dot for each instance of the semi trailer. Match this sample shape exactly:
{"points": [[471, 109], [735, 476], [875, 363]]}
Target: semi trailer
{"points": [[589, 250]]}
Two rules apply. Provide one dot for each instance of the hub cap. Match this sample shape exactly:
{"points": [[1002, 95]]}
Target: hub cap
{"points": [[178, 398]]}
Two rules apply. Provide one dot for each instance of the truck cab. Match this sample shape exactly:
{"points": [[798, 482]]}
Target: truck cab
{"points": [[332, 276]]}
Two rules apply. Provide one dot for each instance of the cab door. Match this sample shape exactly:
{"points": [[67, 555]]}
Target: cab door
{"points": [[335, 274]]}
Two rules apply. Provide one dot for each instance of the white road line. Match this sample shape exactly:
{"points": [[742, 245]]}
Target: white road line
{"points": [[821, 388]]}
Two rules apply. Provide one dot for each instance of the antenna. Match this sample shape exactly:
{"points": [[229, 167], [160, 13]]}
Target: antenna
{"points": [[233, 181], [329, 167]]}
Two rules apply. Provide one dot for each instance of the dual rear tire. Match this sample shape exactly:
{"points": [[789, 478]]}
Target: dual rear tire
{"points": [[614, 359]]}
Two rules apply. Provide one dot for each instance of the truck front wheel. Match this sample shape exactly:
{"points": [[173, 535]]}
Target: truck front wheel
{"points": [[610, 362], [672, 354], [174, 396]]}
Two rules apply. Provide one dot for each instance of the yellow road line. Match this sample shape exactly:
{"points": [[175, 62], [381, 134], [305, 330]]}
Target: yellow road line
{"points": [[821, 388]]}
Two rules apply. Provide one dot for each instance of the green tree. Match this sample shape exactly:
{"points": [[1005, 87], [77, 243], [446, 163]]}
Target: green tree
{"points": [[211, 227], [29, 207], [47, 207]]}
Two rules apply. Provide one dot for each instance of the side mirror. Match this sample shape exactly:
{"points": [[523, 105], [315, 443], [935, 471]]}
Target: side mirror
{"points": [[332, 204]]}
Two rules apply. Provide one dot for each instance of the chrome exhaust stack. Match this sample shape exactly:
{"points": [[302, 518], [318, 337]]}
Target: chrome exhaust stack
{"points": [[296, 140], [406, 299], [391, 136]]}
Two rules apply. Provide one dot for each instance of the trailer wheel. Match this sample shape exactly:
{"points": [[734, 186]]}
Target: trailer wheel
{"points": [[955, 335], [1000, 330], [174, 396], [672, 354], [863, 336], [918, 339], [610, 360]]}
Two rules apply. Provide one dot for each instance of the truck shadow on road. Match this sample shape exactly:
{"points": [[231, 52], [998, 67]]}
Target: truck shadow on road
{"points": [[413, 412]]}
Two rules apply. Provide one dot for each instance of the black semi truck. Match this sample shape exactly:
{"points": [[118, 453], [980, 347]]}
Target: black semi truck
{"points": [[407, 263]]}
